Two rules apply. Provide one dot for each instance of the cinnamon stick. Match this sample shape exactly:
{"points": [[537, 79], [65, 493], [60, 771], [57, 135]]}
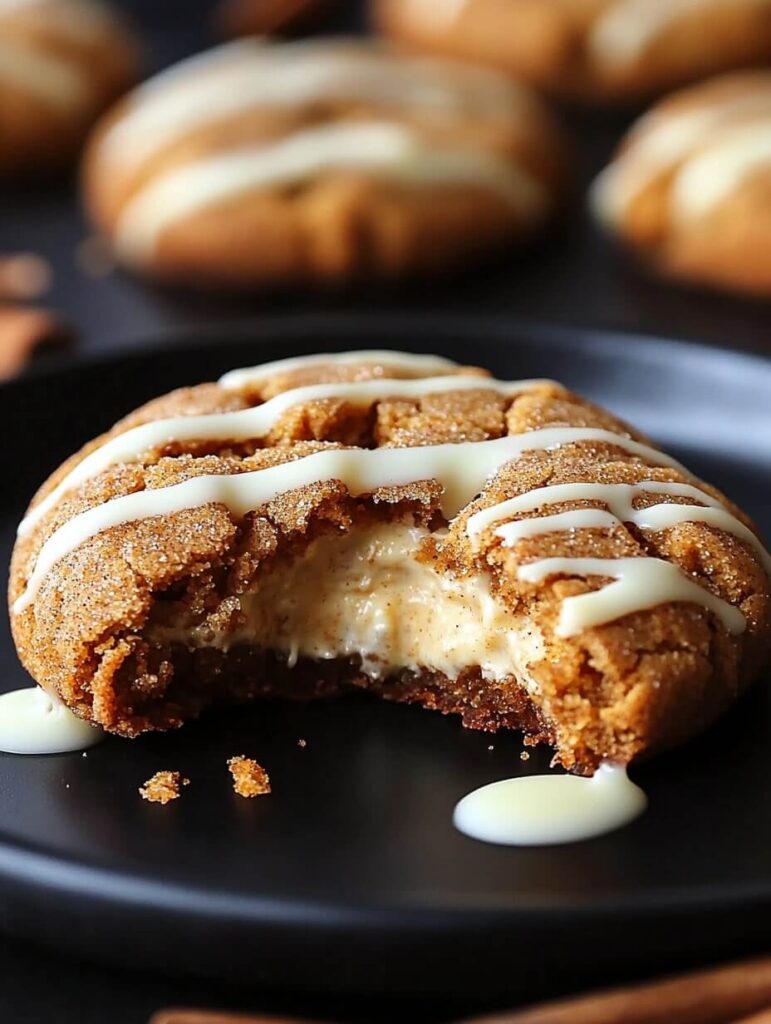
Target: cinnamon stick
{"points": [[717, 996], [22, 331], [764, 1017], [183, 1016]]}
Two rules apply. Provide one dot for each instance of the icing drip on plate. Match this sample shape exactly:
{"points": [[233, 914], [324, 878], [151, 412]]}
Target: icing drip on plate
{"points": [[544, 810], [34, 722]]}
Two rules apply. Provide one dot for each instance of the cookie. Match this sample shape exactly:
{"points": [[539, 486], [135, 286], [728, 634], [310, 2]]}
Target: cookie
{"points": [[321, 161], [500, 550], [589, 50], [62, 62], [689, 189]]}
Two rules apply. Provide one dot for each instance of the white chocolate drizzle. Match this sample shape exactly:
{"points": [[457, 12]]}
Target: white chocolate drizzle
{"points": [[250, 74], [462, 470], [620, 500], [389, 151], [544, 810], [716, 135], [627, 29], [256, 423], [710, 177], [640, 584], [55, 79], [414, 364], [34, 722]]}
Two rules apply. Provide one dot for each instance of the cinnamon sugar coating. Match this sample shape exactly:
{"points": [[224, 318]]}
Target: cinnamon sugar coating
{"points": [[163, 787], [249, 778], [617, 691]]}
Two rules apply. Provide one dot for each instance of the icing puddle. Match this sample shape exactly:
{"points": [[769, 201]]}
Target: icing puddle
{"points": [[545, 810], [33, 722]]}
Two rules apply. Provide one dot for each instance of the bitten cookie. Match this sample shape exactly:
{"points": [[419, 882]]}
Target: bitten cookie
{"points": [[266, 17], [259, 164], [501, 550], [62, 62], [590, 50], [690, 187]]}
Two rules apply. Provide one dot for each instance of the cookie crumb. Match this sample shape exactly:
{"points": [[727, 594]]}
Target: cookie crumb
{"points": [[249, 778], [162, 787], [23, 276], [524, 756], [302, 744]]}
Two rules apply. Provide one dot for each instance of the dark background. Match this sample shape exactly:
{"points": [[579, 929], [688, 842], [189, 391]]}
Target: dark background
{"points": [[573, 277]]}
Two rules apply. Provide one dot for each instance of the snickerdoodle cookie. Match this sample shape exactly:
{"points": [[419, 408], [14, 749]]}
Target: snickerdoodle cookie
{"points": [[321, 161], [502, 550], [61, 63], [690, 186], [592, 50]]}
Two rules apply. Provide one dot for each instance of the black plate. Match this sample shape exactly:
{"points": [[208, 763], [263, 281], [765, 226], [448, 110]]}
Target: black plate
{"points": [[350, 875]]}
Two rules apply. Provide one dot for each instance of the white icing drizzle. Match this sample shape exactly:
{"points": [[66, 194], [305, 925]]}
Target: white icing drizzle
{"points": [[544, 810], [661, 141], [414, 364], [626, 29], [34, 722], [389, 151], [251, 73], [255, 423], [710, 177], [640, 583], [462, 470], [620, 500], [55, 79], [436, 17]]}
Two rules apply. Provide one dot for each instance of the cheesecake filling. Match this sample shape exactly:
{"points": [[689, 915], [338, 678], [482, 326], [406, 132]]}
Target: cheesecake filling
{"points": [[366, 594]]}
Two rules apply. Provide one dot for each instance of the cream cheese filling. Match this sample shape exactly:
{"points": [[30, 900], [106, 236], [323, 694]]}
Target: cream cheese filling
{"points": [[365, 594]]}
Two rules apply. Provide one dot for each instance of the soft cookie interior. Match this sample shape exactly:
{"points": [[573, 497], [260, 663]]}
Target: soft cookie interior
{"points": [[339, 543]]}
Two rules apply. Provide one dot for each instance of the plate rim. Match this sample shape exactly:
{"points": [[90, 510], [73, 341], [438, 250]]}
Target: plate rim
{"points": [[35, 871]]}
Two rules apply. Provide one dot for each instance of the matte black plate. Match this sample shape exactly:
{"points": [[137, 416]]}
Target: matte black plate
{"points": [[350, 875]]}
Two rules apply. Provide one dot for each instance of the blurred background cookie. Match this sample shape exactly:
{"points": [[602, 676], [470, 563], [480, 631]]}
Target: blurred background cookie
{"points": [[596, 50], [61, 63], [690, 187], [329, 160], [266, 17]]}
